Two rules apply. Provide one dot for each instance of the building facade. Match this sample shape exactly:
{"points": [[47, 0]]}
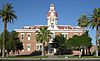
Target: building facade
{"points": [[27, 33]]}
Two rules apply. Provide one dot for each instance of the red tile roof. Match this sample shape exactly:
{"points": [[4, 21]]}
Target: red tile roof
{"points": [[55, 14], [61, 27]]}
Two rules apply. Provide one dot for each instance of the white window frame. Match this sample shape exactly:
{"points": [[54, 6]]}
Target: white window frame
{"points": [[75, 33], [39, 49], [65, 35], [23, 36], [29, 38], [28, 49]]}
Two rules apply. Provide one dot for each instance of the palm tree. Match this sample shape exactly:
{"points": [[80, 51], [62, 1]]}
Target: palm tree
{"points": [[7, 15], [43, 36], [83, 21], [95, 23]]}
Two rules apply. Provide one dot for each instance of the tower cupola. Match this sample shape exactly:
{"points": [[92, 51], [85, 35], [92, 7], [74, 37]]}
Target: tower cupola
{"points": [[52, 17]]}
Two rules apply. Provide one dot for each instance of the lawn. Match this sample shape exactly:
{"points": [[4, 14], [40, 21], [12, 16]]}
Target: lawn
{"points": [[57, 56], [27, 56], [69, 56]]}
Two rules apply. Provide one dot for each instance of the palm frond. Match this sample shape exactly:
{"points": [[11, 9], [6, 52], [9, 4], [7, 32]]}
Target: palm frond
{"points": [[43, 35], [83, 21], [95, 21], [7, 13]]}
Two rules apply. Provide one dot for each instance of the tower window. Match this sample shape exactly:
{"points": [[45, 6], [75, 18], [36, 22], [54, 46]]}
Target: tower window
{"points": [[52, 25]]}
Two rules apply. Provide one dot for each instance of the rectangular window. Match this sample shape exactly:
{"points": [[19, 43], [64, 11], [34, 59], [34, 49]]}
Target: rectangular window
{"points": [[22, 36], [52, 25], [29, 36], [65, 35], [39, 47], [28, 47]]}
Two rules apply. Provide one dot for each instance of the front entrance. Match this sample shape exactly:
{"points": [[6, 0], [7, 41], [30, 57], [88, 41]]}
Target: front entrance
{"points": [[51, 50]]}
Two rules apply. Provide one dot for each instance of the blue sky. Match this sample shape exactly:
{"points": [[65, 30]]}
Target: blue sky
{"points": [[34, 12]]}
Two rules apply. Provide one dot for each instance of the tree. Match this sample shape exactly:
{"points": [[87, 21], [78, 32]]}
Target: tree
{"points": [[78, 42], [59, 43], [0, 44], [73, 43], [8, 15], [83, 21], [43, 36], [95, 23], [13, 43]]}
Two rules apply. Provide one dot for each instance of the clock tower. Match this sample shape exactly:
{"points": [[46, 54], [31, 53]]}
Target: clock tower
{"points": [[52, 17]]}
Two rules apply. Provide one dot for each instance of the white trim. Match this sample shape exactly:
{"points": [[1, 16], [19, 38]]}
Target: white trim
{"points": [[22, 33], [25, 30], [28, 37], [28, 49], [75, 34], [67, 30], [39, 44], [65, 34], [61, 30], [28, 33], [23, 36], [55, 30]]}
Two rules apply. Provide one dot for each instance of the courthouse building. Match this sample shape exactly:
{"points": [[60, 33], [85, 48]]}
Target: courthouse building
{"points": [[27, 33]]}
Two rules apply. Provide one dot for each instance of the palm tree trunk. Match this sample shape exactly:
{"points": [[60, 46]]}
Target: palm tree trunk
{"points": [[4, 38], [43, 51], [97, 41]]}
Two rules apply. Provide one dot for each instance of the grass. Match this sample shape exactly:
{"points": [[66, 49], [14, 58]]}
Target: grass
{"points": [[57, 56], [27, 56], [66, 56]]}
